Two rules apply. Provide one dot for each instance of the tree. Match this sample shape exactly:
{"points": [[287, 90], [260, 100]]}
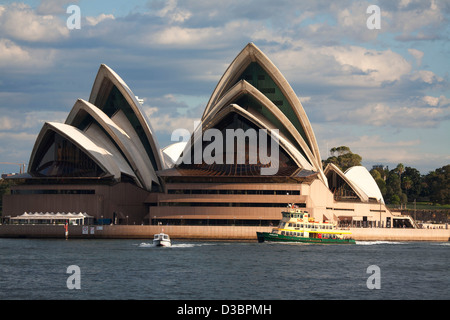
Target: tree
{"points": [[399, 169], [395, 199], [412, 183], [436, 185], [345, 158], [394, 192]]}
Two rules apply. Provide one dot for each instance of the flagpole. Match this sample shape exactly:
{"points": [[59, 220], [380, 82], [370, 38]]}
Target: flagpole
{"points": [[66, 228]]}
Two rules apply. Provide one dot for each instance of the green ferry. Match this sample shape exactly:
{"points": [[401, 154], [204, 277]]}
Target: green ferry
{"points": [[297, 226]]}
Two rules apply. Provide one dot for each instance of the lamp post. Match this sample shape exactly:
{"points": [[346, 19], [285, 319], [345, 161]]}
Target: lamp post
{"points": [[415, 217], [380, 213]]}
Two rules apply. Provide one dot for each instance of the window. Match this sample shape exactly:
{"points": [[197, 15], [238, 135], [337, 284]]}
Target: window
{"points": [[61, 158], [267, 90], [278, 102]]}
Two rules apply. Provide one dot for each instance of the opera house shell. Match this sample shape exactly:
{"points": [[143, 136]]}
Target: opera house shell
{"points": [[105, 160]]}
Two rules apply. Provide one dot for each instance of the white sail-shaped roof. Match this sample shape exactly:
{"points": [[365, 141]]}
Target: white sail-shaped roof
{"points": [[173, 152], [115, 134], [250, 54], [129, 147], [361, 177], [255, 119], [277, 103], [106, 79], [282, 122], [359, 180], [102, 157]]}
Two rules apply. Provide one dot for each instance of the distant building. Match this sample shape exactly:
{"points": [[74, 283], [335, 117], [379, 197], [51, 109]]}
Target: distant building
{"points": [[105, 160], [6, 175]]}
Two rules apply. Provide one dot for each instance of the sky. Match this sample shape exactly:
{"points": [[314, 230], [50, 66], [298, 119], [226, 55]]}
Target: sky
{"points": [[382, 92]]}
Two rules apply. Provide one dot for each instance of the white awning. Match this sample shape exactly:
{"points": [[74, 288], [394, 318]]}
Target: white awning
{"points": [[52, 216]]}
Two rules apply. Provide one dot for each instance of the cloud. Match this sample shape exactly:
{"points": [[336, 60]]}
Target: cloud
{"points": [[174, 13], [19, 21], [169, 113], [375, 149], [93, 21], [174, 53], [424, 112], [417, 54], [53, 7], [416, 20], [341, 66], [14, 56]]}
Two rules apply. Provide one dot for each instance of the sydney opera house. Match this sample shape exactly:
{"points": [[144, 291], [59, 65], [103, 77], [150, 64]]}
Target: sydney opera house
{"points": [[105, 161]]}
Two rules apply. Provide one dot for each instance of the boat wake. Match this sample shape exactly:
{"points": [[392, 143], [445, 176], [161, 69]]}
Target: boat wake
{"points": [[174, 245], [371, 243], [442, 244]]}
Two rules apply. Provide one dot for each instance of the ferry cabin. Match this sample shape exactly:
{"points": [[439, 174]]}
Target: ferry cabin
{"points": [[298, 223]]}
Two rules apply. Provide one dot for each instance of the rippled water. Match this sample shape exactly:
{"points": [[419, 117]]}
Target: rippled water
{"points": [[134, 269]]}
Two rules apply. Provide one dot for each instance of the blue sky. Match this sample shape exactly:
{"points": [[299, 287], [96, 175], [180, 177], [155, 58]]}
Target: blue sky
{"points": [[384, 93]]}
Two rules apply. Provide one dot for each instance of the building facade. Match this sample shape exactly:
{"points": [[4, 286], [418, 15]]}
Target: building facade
{"points": [[105, 160]]}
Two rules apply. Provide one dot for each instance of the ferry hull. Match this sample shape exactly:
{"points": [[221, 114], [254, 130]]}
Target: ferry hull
{"points": [[273, 237]]}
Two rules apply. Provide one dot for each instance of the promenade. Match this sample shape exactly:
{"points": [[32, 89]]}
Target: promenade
{"points": [[203, 232]]}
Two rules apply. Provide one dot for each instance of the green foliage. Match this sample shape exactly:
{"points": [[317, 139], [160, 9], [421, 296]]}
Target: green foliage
{"points": [[406, 184], [345, 158], [402, 184], [436, 185]]}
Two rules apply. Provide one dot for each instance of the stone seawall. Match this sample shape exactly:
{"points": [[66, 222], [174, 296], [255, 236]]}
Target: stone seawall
{"points": [[203, 232]]}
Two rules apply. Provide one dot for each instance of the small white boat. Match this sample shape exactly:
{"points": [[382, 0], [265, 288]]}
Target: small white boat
{"points": [[161, 240]]}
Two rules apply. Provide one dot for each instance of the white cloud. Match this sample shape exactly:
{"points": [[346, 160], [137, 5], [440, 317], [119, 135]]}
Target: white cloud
{"points": [[17, 136], [376, 149], [47, 7], [173, 13], [14, 56], [93, 21], [175, 36], [19, 21], [413, 16], [13, 123], [417, 54], [167, 123], [426, 76], [341, 65], [370, 66]]}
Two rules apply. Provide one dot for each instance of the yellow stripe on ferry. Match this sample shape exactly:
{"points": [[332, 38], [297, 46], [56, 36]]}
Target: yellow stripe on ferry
{"points": [[315, 231]]}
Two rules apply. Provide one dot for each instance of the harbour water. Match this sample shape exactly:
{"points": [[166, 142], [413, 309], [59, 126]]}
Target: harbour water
{"points": [[32, 269]]}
